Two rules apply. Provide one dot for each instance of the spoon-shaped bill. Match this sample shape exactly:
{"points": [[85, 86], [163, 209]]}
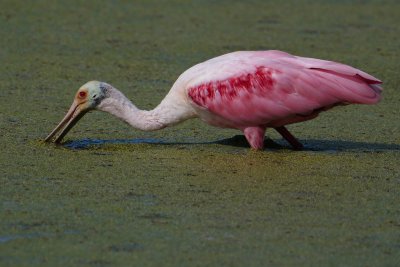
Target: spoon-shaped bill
{"points": [[73, 115]]}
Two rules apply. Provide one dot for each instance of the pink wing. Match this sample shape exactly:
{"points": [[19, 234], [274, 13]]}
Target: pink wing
{"points": [[260, 88]]}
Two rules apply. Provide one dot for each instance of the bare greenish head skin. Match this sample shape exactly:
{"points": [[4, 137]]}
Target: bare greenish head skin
{"points": [[93, 92], [87, 98]]}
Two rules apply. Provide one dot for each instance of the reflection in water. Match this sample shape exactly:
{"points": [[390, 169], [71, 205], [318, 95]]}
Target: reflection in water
{"points": [[330, 146], [86, 143]]}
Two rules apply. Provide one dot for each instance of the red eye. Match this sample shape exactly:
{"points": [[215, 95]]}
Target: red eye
{"points": [[82, 94]]}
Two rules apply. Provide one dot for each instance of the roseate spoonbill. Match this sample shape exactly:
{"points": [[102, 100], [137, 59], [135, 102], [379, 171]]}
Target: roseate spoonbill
{"points": [[246, 90]]}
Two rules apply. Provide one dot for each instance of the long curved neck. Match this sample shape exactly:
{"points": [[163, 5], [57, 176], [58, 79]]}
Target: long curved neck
{"points": [[165, 114]]}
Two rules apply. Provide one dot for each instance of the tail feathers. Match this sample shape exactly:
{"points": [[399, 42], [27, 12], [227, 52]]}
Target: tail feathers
{"points": [[350, 88], [336, 67]]}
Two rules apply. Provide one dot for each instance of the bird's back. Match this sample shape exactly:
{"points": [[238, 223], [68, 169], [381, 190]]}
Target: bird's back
{"points": [[265, 87]]}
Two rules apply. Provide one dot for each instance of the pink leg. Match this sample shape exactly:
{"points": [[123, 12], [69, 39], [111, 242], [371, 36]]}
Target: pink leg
{"points": [[255, 137], [289, 137]]}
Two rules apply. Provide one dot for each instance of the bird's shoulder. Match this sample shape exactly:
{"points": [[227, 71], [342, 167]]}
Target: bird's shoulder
{"points": [[231, 65]]}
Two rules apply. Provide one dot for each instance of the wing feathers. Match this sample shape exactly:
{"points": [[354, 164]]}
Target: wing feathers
{"points": [[282, 87], [313, 63]]}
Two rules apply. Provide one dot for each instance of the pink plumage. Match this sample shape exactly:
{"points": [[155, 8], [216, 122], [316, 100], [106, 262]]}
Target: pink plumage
{"points": [[249, 91], [264, 89]]}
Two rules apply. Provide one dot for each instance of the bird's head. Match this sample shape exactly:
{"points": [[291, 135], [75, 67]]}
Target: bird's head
{"points": [[87, 98]]}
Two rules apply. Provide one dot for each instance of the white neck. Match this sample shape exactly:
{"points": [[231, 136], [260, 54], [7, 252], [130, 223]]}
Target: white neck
{"points": [[165, 114]]}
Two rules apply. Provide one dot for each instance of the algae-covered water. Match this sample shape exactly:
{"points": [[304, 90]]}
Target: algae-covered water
{"points": [[192, 195]]}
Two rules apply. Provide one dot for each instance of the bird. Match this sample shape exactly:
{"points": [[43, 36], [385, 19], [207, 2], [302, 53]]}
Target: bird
{"points": [[250, 91]]}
